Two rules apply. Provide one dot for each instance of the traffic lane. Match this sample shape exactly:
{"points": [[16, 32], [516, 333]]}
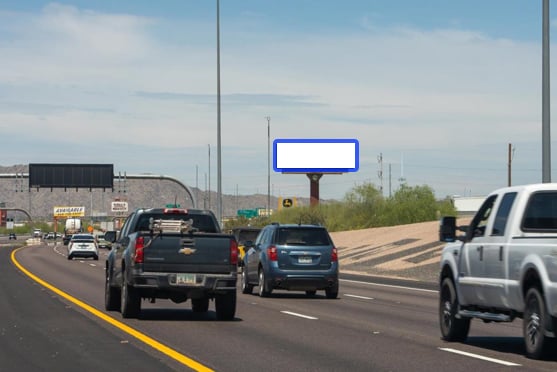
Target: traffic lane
{"points": [[419, 313], [348, 334], [38, 332], [264, 327]]}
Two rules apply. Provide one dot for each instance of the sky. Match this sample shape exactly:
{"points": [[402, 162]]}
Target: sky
{"points": [[438, 93]]}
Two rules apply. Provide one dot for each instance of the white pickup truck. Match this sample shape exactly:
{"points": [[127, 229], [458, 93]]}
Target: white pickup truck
{"points": [[504, 267]]}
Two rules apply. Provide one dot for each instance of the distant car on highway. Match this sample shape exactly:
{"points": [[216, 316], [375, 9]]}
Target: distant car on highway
{"points": [[66, 239], [291, 257], [102, 243], [52, 235], [12, 236], [83, 245]]}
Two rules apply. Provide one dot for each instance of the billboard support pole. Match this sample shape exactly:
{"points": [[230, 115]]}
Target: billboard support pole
{"points": [[314, 188]]}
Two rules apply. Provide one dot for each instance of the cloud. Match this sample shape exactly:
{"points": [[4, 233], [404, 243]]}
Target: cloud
{"points": [[449, 100], [236, 99]]}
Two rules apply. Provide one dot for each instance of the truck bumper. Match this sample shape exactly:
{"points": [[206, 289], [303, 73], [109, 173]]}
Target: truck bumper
{"points": [[183, 282]]}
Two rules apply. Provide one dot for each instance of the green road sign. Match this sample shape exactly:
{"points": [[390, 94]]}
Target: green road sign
{"points": [[247, 213], [173, 206]]}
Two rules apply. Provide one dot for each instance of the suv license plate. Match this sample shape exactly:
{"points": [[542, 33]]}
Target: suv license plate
{"points": [[185, 279], [304, 260]]}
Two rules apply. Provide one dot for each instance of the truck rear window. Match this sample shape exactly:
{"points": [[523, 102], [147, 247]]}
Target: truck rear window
{"points": [[246, 235], [541, 212], [201, 221]]}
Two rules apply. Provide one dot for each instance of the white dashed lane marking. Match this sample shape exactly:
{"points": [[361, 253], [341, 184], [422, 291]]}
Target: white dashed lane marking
{"points": [[299, 315]]}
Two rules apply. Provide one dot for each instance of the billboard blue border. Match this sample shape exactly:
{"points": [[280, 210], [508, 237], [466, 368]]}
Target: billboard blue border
{"points": [[316, 140]]}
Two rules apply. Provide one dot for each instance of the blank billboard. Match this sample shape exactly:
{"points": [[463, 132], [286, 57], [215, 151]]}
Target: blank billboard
{"points": [[315, 155], [71, 175]]}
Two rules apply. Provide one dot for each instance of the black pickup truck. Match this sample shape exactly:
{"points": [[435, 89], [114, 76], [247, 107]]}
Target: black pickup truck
{"points": [[175, 254]]}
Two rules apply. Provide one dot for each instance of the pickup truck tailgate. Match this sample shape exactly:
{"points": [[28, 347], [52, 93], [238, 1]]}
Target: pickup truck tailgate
{"points": [[196, 253]]}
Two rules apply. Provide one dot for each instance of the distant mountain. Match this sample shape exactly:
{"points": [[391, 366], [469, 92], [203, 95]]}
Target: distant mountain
{"points": [[15, 193]]}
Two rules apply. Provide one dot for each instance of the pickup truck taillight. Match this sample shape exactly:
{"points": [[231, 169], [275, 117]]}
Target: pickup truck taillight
{"points": [[139, 245], [234, 252], [175, 211], [334, 255], [272, 253]]}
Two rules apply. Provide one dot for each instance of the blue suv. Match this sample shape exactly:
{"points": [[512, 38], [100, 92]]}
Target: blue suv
{"points": [[291, 257]]}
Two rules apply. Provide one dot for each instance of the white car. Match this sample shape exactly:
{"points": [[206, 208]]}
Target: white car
{"points": [[83, 245]]}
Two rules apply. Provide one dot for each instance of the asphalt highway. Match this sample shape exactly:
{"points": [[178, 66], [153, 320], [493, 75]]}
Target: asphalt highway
{"points": [[52, 318]]}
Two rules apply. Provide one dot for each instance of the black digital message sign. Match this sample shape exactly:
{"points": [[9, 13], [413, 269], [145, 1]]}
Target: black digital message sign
{"points": [[71, 176]]}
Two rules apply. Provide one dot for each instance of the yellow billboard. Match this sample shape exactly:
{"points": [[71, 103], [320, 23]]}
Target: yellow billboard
{"points": [[65, 212]]}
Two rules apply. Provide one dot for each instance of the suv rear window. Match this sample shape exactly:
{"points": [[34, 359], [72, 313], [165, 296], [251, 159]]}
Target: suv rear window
{"points": [[302, 236]]}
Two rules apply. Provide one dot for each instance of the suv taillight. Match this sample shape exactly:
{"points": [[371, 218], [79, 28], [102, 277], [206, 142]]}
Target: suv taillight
{"points": [[334, 255], [272, 253], [233, 252], [139, 245]]}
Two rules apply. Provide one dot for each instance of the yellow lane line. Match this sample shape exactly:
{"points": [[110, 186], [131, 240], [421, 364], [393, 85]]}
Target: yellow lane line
{"points": [[127, 329]]}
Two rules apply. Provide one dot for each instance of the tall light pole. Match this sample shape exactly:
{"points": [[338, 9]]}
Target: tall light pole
{"points": [[268, 165], [546, 136], [219, 170], [209, 165]]}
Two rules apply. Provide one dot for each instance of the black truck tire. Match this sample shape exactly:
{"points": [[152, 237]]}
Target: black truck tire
{"points": [[130, 306], [533, 326], [225, 305], [452, 328], [111, 295]]}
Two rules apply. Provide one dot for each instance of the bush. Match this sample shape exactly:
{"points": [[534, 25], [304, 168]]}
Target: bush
{"points": [[363, 207]]}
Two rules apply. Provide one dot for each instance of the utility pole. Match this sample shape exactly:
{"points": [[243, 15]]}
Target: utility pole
{"points": [[219, 167], [510, 156], [546, 136], [390, 180], [196, 183], [268, 165], [209, 189], [380, 172]]}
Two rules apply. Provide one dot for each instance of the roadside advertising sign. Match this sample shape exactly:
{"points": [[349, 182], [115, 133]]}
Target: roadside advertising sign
{"points": [[119, 206], [65, 212]]}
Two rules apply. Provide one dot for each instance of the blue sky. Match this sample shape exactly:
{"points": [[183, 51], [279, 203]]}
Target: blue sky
{"points": [[437, 89]]}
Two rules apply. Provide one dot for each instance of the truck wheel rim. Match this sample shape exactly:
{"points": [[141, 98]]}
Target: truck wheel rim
{"points": [[533, 327], [447, 314], [447, 308]]}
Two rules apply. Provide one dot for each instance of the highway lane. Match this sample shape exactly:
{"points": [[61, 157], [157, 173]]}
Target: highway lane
{"points": [[40, 333], [370, 327]]}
